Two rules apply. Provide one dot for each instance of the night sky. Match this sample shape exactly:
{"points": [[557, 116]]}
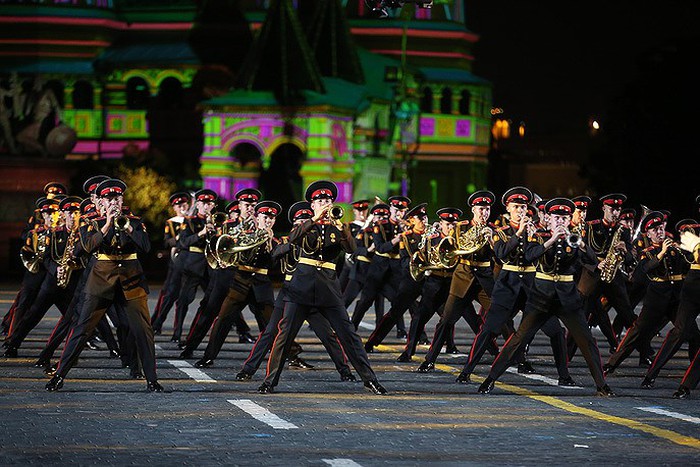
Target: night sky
{"points": [[554, 64]]}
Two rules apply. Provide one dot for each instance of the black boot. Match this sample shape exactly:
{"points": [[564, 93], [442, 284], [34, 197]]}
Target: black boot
{"points": [[265, 388], [375, 387], [463, 378], [487, 386], [244, 376], [647, 383], [154, 386], [425, 367], [605, 391], [54, 384], [526, 368], [681, 393]]}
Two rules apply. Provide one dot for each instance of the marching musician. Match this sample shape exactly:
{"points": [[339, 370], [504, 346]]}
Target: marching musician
{"points": [[314, 284], [63, 273], [194, 233], [385, 270], [360, 208], [181, 203], [288, 254], [554, 293], [116, 276], [436, 287], [665, 267], [514, 279], [472, 278], [251, 284]]}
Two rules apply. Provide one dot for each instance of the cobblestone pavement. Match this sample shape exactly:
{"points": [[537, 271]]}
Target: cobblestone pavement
{"points": [[103, 417]]}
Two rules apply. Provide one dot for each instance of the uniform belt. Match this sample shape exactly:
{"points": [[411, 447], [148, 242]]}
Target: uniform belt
{"points": [[555, 277], [364, 259], [478, 264], [243, 267], [675, 277], [317, 263], [287, 277], [103, 257], [513, 268], [695, 266], [389, 255], [195, 249]]}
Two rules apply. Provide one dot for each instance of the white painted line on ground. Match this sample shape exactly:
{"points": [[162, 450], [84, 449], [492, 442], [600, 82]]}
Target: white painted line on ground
{"points": [[157, 347], [261, 413], [544, 379], [668, 413], [341, 462], [194, 373], [364, 325]]}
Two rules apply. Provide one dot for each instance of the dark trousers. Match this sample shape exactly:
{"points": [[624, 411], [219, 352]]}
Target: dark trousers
{"points": [[433, 297], [383, 279], [409, 291], [31, 284], [660, 306], [692, 375], [318, 323], [188, 290], [685, 327], [93, 309], [350, 293], [232, 306], [292, 319], [168, 296], [455, 308], [534, 318]]}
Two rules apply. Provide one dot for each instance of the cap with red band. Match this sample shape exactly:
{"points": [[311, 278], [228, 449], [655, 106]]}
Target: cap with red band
{"points": [[55, 188], [300, 210], [449, 214], [628, 214], [92, 182], [110, 187], [360, 204], [206, 195], [417, 211], [250, 195], [47, 205], [380, 209], [321, 189], [582, 202], [70, 203], [560, 206], [400, 202], [87, 206], [271, 208], [652, 220], [613, 199], [517, 194], [481, 198], [179, 198], [233, 207]]}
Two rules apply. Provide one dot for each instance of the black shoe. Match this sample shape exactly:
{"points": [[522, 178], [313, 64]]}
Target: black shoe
{"points": [[425, 341], [347, 376], [401, 334], [681, 393], [487, 386], [92, 345], [175, 340], [404, 358], [54, 384], [375, 387], [154, 386], [425, 367], [608, 369], [526, 368], [645, 362], [136, 375], [265, 388], [463, 378], [157, 332], [187, 353], [246, 338], [453, 350], [50, 370], [605, 391], [298, 362], [567, 381], [10, 352], [42, 362], [182, 344], [369, 348], [204, 363], [647, 383], [244, 376], [114, 354]]}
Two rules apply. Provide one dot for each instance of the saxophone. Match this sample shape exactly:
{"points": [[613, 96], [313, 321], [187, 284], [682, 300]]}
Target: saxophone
{"points": [[67, 262], [613, 258]]}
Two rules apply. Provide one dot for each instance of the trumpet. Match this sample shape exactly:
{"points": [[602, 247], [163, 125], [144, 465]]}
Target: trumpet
{"points": [[573, 239], [336, 212], [122, 223], [217, 219]]}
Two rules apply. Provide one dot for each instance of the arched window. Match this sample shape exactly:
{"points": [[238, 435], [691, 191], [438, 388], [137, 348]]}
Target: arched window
{"points": [[170, 93], [246, 153], [464, 102], [138, 94], [446, 101], [426, 100], [83, 95]]}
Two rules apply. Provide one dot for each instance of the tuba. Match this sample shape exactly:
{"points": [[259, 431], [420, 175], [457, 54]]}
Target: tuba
{"points": [[34, 256]]}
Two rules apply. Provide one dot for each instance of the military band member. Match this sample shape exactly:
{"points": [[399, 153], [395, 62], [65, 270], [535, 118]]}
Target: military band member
{"points": [[314, 284], [436, 286], [360, 209], [251, 284], [287, 255], [514, 279], [554, 293], [181, 202], [116, 276], [385, 268], [63, 273], [472, 278], [194, 233], [411, 242]]}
